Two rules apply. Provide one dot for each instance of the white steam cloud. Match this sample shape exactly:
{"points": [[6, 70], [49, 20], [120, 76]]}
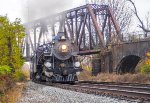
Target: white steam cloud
{"points": [[42, 8]]}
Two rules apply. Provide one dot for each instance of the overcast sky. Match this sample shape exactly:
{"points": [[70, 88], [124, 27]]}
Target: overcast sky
{"points": [[18, 8]]}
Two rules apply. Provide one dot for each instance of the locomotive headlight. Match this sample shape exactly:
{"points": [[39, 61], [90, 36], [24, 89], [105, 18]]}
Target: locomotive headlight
{"points": [[64, 47], [48, 64], [77, 64]]}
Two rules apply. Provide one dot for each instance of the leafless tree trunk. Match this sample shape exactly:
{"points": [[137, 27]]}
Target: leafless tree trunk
{"points": [[141, 25], [121, 10], [147, 17]]}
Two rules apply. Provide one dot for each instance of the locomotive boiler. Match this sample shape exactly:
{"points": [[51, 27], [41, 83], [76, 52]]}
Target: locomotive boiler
{"points": [[56, 61]]}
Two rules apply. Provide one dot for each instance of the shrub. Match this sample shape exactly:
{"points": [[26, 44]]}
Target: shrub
{"points": [[11, 35], [26, 74], [145, 69], [5, 70], [19, 76]]}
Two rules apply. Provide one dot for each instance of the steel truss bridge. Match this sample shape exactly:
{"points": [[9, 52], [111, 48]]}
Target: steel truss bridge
{"points": [[91, 26]]}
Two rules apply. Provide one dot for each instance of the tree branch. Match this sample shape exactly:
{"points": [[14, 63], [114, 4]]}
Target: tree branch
{"points": [[141, 22]]}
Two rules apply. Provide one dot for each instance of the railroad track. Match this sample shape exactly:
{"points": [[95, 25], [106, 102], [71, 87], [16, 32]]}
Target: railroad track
{"points": [[120, 90]]}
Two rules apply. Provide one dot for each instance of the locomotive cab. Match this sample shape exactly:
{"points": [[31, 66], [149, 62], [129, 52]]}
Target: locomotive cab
{"points": [[57, 61]]}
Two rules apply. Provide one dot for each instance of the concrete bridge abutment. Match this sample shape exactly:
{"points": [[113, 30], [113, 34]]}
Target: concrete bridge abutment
{"points": [[123, 57]]}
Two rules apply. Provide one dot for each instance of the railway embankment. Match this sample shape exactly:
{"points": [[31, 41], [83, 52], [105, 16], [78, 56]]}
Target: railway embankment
{"points": [[26, 92], [37, 93]]}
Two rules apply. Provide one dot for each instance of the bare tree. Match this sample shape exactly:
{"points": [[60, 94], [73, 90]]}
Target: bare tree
{"points": [[146, 29], [121, 10], [147, 17]]}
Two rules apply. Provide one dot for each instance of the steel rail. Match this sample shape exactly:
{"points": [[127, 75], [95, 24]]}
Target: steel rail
{"points": [[119, 90]]}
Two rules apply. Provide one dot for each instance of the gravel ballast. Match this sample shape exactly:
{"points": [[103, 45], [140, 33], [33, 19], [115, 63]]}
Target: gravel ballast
{"points": [[37, 93]]}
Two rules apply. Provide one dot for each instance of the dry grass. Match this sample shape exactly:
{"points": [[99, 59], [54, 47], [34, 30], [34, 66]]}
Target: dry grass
{"points": [[12, 95], [126, 78], [5, 83], [11, 91], [85, 75], [26, 70], [26, 73]]}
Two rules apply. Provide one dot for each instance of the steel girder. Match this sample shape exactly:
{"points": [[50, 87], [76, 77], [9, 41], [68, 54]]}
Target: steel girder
{"points": [[91, 27]]}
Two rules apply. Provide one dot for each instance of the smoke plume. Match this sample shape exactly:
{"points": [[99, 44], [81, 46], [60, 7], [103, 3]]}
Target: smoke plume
{"points": [[41, 8]]}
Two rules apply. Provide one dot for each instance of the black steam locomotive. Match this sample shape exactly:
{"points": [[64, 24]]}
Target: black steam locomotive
{"points": [[56, 61]]}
